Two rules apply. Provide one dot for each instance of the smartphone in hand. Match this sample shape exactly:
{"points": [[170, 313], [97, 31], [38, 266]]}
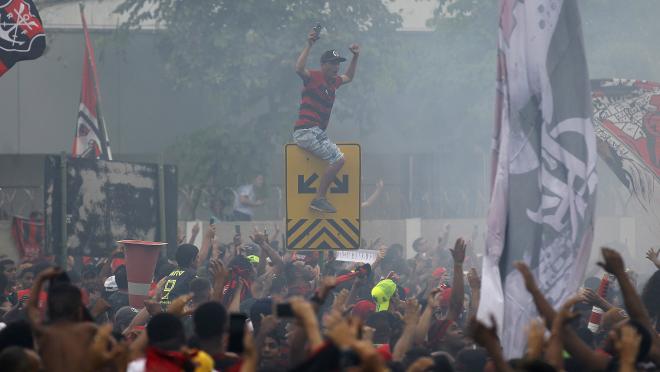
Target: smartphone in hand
{"points": [[317, 30], [284, 310], [236, 332]]}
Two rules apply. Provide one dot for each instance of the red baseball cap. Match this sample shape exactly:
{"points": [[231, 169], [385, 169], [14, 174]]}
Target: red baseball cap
{"points": [[437, 273], [363, 308]]}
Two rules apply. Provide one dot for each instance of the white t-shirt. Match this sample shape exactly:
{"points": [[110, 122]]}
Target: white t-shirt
{"points": [[138, 365], [245, 190]]}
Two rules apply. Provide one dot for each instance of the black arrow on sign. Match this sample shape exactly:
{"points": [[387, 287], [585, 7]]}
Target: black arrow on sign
{"points": [[341, 187], [305, 186]]}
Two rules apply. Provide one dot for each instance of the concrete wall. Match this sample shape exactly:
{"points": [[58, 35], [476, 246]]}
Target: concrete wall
{"points": [[40, 98], [6, 242], [619, 233]]}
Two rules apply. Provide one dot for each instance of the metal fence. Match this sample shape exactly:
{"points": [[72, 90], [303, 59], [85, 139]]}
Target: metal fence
{"points": [[20, 201], [431, 185]]}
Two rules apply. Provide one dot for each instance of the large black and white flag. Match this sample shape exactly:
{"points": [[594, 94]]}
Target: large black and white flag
{"points": [[543, 186]]}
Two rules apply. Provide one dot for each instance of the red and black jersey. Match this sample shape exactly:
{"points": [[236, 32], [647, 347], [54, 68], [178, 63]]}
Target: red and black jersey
{"points": [[316, 102]]}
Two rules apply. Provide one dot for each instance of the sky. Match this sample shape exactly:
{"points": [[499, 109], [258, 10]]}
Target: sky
{"points": [[100, 15], [414, 12]]}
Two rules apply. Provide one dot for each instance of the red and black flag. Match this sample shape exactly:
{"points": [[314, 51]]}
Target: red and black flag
{"points": [[627, 121], [28, 236], [90, 139], [22, 35]]}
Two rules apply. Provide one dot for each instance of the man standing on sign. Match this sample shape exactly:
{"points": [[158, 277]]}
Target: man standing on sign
{"points": [[318, 96]]}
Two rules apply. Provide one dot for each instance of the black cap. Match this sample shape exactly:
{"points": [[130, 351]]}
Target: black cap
{"points": [[331, 56]]}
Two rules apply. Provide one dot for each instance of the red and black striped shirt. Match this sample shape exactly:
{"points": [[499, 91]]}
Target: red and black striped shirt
{"points": [[316, 102]]}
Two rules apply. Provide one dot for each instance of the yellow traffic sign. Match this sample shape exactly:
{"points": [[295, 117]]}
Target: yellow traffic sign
{"points": [[310, 230]]}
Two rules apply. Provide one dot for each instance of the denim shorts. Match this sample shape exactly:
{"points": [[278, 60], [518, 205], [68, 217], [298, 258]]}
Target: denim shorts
{"points": [[316, 141]]}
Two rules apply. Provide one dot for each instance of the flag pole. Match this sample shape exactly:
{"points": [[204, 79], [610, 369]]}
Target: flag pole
{"points": [[105, 141]]}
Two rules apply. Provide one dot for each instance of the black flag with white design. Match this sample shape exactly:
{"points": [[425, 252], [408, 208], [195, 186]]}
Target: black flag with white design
{"points": [[22, 35]]}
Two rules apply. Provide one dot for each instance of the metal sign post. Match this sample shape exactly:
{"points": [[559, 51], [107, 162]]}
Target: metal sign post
{"points": [[310, 230]]}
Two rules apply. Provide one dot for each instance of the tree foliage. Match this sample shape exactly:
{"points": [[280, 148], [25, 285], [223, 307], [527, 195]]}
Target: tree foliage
{"points": [[240, 55], [435, 86]]}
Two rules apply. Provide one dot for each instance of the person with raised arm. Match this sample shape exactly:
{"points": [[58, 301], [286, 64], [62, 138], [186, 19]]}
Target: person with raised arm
{"points": [[318, 97]]}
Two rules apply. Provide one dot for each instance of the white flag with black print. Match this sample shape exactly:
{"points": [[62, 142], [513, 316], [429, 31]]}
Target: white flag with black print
{"points": [[543, 185]]}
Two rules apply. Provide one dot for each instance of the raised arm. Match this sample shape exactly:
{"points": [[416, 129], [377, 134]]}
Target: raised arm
{"points": [[542, 305], [193, 235], [350, 72], [207, 244], [410, 319], [590, 297], [613, 264], [442, 243], [301, 70], [554, 349], [262, 241], [33, 314], [627, 345], [305, 313], [219, 275], [654, 256], [235, 302], [106, 269], [475, 286], [233, 249], [440, 247], [573, 344], [487, 338], [372, 198], [424, 323], [261, 287], [457, 286]]}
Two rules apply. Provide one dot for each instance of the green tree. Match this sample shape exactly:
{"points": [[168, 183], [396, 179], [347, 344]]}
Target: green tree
{"points": [[467, 35], [240, 56]]}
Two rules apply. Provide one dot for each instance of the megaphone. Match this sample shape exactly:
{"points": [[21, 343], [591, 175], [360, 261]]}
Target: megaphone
{"points": [[141, 258]]}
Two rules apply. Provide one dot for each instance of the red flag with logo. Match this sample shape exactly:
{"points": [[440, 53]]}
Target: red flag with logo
{"points": [[28, 236], [22, 35], [90, 140]]}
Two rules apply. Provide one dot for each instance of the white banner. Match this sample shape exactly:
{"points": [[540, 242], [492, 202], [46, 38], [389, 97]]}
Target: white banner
{"points": [[360, 255]]}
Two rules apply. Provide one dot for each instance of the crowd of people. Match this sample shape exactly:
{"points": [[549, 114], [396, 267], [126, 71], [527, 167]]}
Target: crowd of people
{"points": [[247, 304]]}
